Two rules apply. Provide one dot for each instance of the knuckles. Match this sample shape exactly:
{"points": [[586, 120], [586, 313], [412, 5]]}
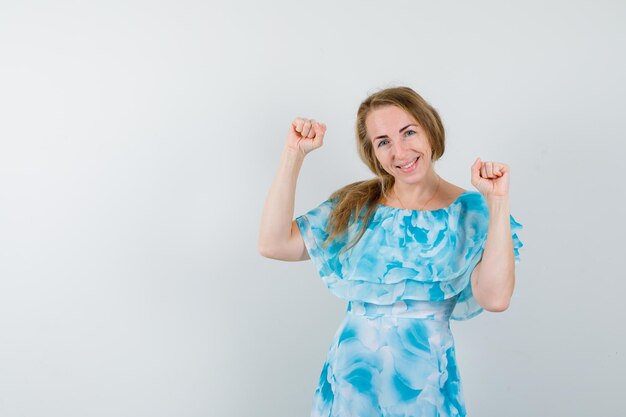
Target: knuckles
{"points": [[310, 127]]}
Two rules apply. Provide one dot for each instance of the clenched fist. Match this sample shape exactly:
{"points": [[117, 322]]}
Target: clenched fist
{"points": [[305, 135], [490, 178]]}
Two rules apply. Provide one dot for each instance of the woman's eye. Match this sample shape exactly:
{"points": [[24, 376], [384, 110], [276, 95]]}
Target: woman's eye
{"points": [[382, 142], [410, 132]]}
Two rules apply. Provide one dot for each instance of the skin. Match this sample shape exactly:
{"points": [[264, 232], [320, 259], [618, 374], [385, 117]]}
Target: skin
{"points": [[492, 280], [279, 235], [398, 139]]}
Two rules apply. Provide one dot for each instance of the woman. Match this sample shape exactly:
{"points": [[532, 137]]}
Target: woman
{"points": [[408, 250]]}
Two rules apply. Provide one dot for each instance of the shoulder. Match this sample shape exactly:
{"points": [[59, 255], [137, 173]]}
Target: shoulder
{"points": [[470, 213], [473, 203]]}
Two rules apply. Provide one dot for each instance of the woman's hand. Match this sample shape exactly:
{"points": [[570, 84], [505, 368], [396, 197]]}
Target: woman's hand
{"points": [[491, 178], [305, 135]]}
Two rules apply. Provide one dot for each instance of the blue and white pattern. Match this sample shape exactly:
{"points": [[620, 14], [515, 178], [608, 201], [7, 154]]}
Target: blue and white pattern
{"points": [[408, 275]]}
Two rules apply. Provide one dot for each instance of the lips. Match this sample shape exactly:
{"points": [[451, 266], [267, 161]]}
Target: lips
{"points": [[409, 168]]}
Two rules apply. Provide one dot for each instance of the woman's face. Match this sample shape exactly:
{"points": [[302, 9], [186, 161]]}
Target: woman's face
{"points": [[400, 144]]}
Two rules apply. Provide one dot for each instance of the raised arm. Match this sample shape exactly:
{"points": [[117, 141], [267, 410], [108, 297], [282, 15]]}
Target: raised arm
{"points": [[279, 235], [493, 278]]}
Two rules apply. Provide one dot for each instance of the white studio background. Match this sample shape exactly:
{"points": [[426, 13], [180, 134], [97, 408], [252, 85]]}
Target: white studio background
{"points": [[138, 140]]}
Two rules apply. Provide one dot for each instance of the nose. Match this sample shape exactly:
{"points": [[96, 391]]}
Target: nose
{"points": [[400, 148]]}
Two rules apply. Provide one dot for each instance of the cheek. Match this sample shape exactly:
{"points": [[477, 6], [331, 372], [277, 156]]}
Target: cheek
{"points": [[378, 155], [382, 153], [382, 160]]}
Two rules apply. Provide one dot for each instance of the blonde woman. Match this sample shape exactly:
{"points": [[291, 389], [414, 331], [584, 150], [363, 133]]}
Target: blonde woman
{"points": [[407, 249]]}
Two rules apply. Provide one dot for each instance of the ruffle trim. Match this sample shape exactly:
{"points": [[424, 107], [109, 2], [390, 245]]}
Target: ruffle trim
{"points": [[403, 284]]}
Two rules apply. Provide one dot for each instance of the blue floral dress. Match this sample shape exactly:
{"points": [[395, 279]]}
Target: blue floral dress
{"points": [[393, 354]]}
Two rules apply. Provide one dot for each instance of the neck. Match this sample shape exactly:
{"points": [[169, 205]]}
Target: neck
{"points": [[414, 195]]}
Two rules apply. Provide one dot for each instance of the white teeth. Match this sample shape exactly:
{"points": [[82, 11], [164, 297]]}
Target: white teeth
{"points": [[410, 164]]}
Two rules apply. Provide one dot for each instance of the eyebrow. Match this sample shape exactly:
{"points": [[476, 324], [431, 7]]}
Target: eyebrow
{"points": [[399, 131]]}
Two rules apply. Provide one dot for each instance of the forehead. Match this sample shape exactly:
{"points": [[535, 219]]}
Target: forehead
{"points": [[387, 120]]}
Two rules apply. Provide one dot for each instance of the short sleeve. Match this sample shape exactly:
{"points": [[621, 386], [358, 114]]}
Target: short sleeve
{"points": [[313, 225], [517, 243], [466, 306]]}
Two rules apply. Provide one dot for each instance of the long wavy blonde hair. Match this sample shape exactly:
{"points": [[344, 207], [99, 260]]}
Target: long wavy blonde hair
{"points": [[362, 196]]}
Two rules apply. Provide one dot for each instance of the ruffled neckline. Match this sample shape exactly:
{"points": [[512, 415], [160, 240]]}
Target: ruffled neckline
{"points": [[385, 208], [405, 254]]}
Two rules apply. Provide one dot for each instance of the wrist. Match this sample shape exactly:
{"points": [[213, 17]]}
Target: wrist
{"points": [[292, 158], [498, 204], [294, 154]]}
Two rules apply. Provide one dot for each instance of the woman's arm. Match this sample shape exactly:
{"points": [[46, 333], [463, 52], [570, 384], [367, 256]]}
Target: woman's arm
{"points": [[279, 235], [493, 278]]}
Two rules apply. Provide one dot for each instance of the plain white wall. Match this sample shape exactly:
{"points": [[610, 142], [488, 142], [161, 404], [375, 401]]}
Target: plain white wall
{"points": [[138, 140]]}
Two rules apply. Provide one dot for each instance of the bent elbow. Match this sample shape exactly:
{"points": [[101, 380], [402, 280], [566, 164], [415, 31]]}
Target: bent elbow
{"points": [[498, 306], [265, 251]]}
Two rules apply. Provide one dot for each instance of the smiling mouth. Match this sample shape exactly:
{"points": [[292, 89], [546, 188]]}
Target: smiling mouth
{"points": [[409, 165]]}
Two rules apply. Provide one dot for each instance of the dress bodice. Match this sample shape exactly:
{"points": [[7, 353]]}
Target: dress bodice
{"points": [[405, 255]]}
